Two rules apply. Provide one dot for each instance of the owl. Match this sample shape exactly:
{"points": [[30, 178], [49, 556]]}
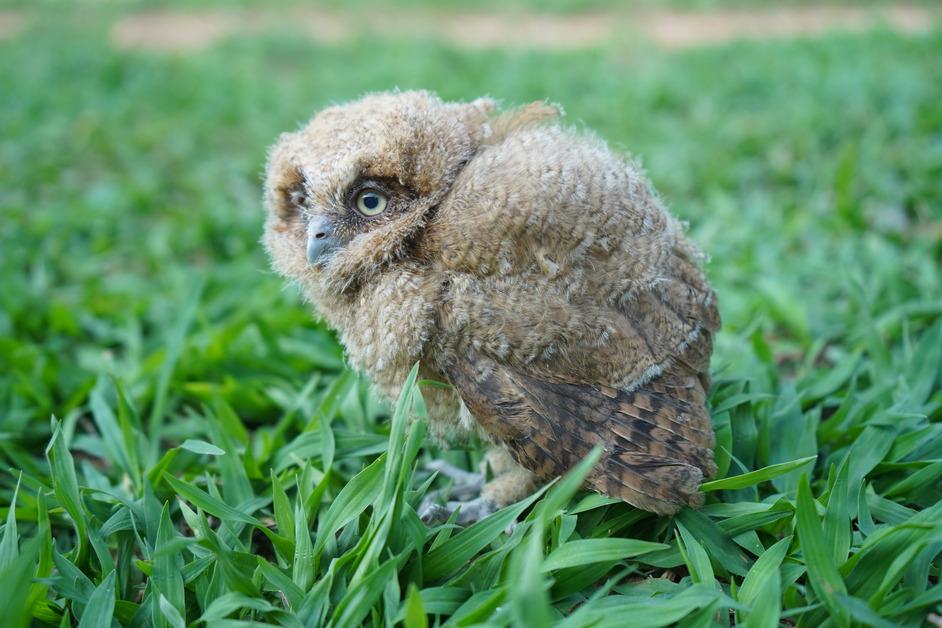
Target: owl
{"points": [[522, 262]]}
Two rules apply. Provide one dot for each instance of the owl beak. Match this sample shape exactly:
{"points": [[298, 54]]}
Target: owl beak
{"points": [[320, 238]]}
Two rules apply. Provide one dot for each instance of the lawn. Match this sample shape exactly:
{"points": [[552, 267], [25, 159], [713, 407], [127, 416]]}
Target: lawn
{"points": [[181, 443]]}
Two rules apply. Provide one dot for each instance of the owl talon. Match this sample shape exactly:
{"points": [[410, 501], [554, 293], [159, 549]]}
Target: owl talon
{"points": [[470, 496], [431, 513], [468, 511], [464, 492]]}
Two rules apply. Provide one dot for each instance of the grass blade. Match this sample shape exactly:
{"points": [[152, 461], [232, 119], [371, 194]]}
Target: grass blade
{"points": [[698, 562], [754, 477], [352, 500], [15, 582], [9, 543], [358, 601], [822, 572], [168, 565], [65, 485], [765, 566], [212, 505], [100, 608], [450, 555], [588, 551]]}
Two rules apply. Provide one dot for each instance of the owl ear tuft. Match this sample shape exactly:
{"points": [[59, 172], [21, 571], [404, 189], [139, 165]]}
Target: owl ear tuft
{"points": [[475, 114], [521, 117], [281, 176]]}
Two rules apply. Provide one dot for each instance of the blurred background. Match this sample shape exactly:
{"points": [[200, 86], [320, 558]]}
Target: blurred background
{"points": [[803, 143]]}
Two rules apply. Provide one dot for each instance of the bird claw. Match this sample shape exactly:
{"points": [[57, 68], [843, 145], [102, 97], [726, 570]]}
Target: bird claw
{"points": [[465, 491], [431, 513], [469, 511]]}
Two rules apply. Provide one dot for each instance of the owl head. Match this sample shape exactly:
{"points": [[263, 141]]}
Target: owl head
{"points": [[348, 192]]}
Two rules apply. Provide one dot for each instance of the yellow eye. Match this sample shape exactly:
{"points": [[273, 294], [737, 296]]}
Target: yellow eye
{"points": [[371, 202]]}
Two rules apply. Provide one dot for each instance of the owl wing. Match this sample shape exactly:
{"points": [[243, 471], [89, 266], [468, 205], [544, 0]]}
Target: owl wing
{"points": [[578, 315], [657, 438]]}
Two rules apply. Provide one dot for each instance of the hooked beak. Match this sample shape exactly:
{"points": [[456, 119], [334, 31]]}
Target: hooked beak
{"points": [[320, 238]]}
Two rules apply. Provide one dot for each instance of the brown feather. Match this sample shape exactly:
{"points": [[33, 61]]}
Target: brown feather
{"points": [[657, 438]]}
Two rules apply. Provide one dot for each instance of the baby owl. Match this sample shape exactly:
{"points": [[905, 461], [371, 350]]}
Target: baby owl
{"points": [[522, 262]]}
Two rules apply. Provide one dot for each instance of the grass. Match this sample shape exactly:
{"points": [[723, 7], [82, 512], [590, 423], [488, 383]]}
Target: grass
{"points": [[182, 445]]}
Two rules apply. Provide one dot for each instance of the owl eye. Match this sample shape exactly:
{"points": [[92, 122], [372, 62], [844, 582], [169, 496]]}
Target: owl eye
{"points": [[371, 202]]}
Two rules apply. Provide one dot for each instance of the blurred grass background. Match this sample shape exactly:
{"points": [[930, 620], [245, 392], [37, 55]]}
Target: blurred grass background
{"points": [[562, 6], [137, 309]]}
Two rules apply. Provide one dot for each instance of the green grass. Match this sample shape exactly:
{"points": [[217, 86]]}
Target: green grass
{"points": [[184, 446]]}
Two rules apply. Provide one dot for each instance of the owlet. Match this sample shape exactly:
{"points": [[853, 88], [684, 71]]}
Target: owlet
{"points": [[522, 262]]}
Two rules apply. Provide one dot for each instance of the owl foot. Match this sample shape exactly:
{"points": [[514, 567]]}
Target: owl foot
{"points": [[469, 511], [465, 484], [465, 492]]}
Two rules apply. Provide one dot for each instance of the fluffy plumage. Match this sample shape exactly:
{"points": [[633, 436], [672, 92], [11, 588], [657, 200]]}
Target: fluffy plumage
{"points": [[524, 263]]}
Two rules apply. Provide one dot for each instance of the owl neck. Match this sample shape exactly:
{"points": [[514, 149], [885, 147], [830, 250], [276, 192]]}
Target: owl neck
{"points": [[386, 322]]}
